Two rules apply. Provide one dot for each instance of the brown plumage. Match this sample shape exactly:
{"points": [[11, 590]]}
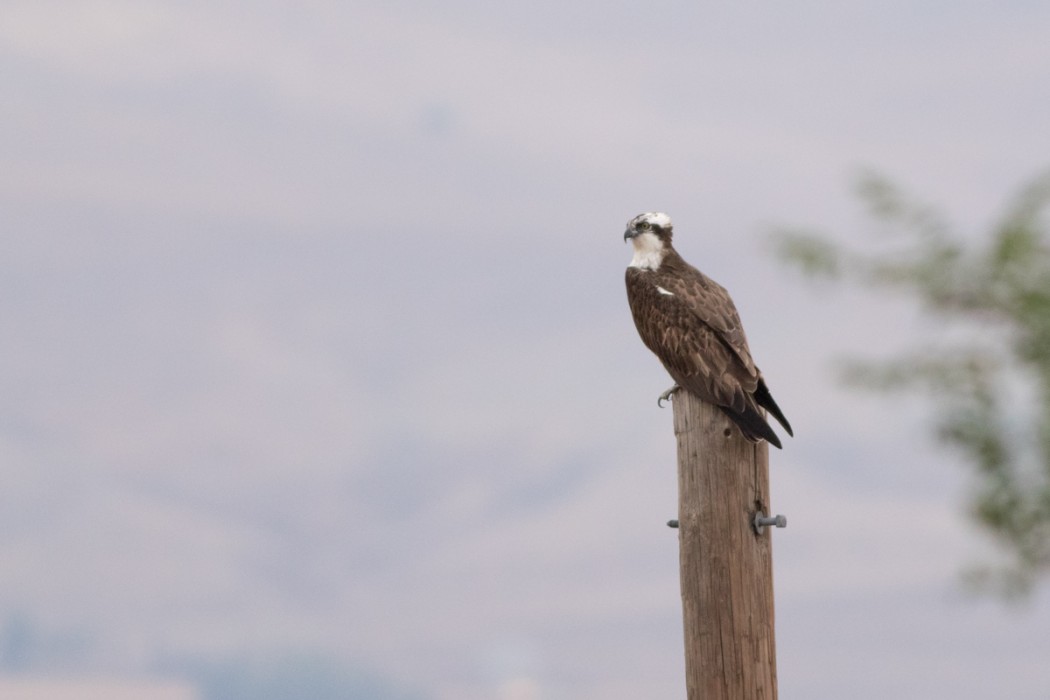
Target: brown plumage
{"points": [[689, 321]]}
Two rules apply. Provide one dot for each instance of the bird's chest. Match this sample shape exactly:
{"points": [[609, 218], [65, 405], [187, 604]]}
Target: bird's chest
{"points": [[650, 286]]}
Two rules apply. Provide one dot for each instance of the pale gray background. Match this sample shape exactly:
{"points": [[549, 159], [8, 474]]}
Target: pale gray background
{"points": [[317, 366]]}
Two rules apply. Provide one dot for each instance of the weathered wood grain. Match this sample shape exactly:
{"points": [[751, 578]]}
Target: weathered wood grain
{"points": [[726, 568]]}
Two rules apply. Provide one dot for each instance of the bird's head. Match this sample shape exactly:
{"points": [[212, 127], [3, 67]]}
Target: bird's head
{"points": [[650, 234]]}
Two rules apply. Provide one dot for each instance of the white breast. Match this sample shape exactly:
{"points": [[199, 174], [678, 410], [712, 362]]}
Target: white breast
{"points": [[648, 251]]}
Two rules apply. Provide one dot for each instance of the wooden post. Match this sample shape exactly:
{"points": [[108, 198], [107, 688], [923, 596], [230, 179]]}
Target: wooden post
{"points": [[726, 567]]}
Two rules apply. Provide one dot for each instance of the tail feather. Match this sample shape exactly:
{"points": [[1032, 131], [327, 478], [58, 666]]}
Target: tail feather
{"points": [[753, 425], [764, 399]]}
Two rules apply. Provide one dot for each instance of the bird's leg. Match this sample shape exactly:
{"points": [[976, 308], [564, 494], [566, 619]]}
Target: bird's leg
{"points": [[666, 396]]}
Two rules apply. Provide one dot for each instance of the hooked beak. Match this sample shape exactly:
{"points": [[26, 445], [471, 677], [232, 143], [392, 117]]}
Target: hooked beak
{"points": [[628, 234]]}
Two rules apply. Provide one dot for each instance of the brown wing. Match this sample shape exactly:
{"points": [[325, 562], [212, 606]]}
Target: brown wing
{"points": [[693, 327], [711, 304], [702, 350]]}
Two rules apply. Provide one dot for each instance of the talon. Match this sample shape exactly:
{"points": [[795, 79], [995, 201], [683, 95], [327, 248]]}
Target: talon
{"points": [[666, 396]]}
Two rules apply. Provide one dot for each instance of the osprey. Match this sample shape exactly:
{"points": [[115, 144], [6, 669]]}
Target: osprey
{"points": [[690, 323]]}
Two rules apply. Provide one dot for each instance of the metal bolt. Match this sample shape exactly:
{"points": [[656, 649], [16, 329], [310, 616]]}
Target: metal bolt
{"points": [[761, 521], [672, 523]]}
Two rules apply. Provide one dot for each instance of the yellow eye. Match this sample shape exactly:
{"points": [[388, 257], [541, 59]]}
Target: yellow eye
{"points": [[644, 226]]}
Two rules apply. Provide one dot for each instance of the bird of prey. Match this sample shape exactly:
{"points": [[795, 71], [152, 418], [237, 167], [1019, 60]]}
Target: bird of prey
{"points": [[690, 323]]}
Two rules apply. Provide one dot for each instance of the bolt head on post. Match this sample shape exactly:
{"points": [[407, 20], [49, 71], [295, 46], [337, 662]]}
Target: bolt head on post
{"points": [[762, 521]]}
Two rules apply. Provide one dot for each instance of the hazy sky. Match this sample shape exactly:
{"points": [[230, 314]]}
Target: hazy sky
{"points": [[318, 369]]}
